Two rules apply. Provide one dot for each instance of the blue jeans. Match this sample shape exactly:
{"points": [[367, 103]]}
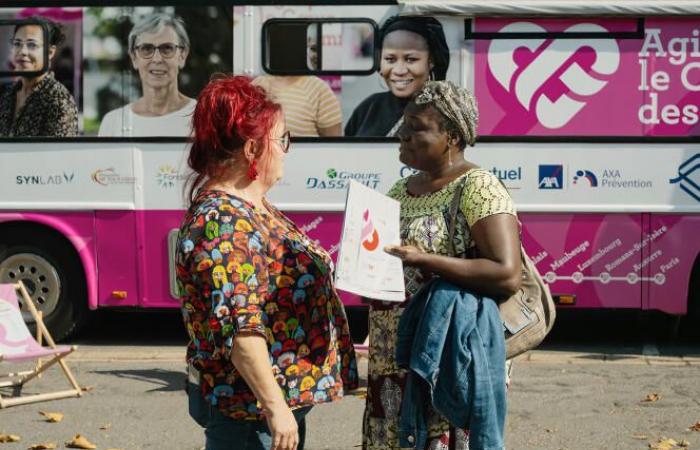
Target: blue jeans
{"points": [[224, 433]]}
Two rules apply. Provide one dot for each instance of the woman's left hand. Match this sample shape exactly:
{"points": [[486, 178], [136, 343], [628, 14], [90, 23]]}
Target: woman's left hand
{"points": [[409, 254]]}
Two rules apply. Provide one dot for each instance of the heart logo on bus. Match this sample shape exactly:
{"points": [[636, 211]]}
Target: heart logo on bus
{"points": [[549, 80]]}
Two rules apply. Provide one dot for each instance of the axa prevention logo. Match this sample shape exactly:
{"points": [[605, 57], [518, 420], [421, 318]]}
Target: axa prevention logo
{"points": [[551, 176], [338, 179], [167, 176], [586, 177], [688, 178], [530, 70]]}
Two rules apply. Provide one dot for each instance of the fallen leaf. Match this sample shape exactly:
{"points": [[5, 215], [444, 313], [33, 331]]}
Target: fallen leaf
{"points": [[87, 388], [44, 446], [9, 438], [80, 442], [664, 444], [640, 436], [106, 426], [668, 444], [695, 427], [653, 397], [52, 417]]}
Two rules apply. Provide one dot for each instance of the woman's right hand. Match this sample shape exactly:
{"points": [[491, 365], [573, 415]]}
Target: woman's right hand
{"points": [[283, 428], [251, 358]]}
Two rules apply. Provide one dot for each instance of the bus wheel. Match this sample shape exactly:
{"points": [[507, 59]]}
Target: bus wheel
{"points": [[51, 272]]}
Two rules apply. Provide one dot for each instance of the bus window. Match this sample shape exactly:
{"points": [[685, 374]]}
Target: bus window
{"points": [[146, 66], [39, 52], [295, 51], [319, 47]]}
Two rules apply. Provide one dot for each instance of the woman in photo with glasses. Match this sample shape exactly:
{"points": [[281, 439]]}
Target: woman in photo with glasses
{"points": [[36, 105], [158, 48]]}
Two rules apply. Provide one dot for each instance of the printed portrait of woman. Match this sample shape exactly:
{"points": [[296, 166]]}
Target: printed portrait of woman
{"points": [[158, 50], [37, 104], [413, 50]]}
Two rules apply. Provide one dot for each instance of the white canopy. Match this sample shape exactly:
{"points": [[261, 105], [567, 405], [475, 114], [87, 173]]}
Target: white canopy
{"points": [[551, 7]]}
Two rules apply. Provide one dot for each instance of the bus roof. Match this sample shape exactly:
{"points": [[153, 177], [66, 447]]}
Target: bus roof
{"points": [[551, 7]]}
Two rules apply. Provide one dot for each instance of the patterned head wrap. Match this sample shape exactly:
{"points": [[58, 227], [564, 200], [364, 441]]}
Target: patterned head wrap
{"points": [[456, 104]]}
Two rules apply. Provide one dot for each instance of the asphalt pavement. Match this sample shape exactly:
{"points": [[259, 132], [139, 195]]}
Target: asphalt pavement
{"points": [[573, 394]]}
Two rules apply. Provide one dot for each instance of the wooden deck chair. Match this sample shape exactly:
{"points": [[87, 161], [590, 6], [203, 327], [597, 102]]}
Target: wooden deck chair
{"points": [[18, 345]]}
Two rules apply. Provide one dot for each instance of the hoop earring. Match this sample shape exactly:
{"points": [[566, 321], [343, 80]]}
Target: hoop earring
{"points": [[253, 170], [449, 158]]}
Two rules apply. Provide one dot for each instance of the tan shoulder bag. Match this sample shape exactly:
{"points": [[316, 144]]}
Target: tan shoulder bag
{"points": [[528, 315]]}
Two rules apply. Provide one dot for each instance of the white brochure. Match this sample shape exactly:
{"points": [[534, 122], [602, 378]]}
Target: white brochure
{"points": [[363, 267]]}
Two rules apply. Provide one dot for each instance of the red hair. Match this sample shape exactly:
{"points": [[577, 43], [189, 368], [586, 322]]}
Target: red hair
{"points": [[230, 111]]}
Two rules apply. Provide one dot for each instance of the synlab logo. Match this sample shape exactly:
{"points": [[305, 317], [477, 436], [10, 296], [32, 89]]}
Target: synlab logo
{"points": [[586, 175], [369, 236], [551, 176], [65, 178], [526, 68], [688, 177]]}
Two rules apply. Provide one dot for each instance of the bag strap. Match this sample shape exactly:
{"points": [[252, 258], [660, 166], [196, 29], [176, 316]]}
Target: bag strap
{"points": [[454, 207]]}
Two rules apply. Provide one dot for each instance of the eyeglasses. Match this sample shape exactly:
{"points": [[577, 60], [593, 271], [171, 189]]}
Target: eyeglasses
{"points": [[285, 140], [17, 45], [167, 50]]}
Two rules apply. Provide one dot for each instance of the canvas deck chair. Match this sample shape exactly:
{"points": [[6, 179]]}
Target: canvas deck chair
{"points": [[17, 345]]}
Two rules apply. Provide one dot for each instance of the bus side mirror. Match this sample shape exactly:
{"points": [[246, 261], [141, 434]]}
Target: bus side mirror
{"points": [[20, 54], [319, 46]]}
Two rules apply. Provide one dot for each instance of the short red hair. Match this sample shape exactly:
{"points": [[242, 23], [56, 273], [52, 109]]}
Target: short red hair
{"points": [[230, 111]]}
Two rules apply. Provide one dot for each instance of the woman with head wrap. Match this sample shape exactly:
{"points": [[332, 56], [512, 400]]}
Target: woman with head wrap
{"points": [[413, 50], [439, 122]]}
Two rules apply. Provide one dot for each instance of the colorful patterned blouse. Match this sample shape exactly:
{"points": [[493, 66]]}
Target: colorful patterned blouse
{"points": [[241, 269]]}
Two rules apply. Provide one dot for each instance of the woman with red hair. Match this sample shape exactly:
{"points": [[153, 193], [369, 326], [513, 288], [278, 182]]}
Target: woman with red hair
{"points": [[268, 334]]}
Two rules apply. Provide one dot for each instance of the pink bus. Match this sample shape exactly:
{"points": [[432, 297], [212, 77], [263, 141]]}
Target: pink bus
{"points": [[589, 115]]}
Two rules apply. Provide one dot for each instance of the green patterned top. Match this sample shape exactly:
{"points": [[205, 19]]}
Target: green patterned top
{"points": [[425, 218]]}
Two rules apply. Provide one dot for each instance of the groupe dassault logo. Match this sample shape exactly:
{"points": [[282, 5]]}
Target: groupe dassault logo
{"points": [[338, 179], [688, 178], [528, 85]]}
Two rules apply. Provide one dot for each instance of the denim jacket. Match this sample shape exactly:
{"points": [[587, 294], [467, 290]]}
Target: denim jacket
{"points": [[453, 344]]}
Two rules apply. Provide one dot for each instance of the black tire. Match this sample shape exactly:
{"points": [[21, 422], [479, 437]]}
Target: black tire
{"points": [[49, 267]]}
